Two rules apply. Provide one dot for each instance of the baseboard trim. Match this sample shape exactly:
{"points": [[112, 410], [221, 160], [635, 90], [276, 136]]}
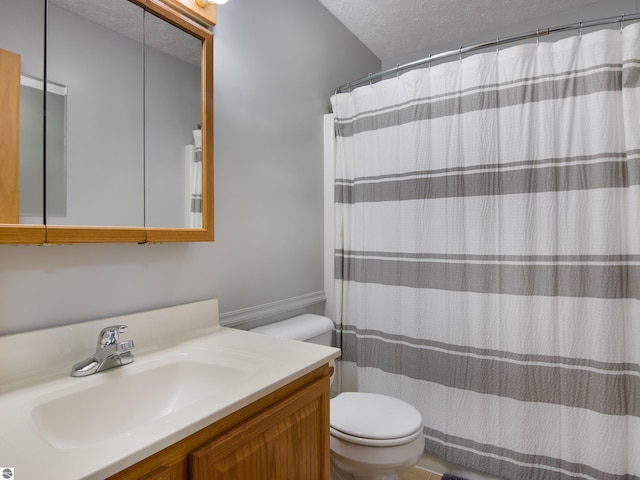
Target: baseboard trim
{"points": [[246, 316]]}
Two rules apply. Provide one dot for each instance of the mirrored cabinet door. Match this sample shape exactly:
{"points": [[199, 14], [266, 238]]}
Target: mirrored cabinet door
{"points": [[95, 49], [22, 115], [173, 122]]}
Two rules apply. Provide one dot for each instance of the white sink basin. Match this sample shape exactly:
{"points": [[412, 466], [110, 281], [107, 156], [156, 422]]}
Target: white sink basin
{"points": [[117, 401]]}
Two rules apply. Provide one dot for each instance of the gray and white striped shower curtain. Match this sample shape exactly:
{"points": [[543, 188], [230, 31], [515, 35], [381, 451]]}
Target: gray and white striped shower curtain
{"points": [[488, 253]]}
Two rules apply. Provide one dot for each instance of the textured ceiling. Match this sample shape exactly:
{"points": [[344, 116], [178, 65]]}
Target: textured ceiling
{"points": [[396, 28], [125, 18]]}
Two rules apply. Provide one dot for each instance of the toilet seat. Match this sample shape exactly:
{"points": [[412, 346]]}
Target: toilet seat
{"points": [[374, 420], [369, 442]]}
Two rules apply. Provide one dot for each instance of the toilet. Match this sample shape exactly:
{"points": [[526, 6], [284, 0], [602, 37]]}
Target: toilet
{"points": [[373, 436]]}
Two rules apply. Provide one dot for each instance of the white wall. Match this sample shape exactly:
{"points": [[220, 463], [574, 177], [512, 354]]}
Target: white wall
{"points": [[276, 64]]}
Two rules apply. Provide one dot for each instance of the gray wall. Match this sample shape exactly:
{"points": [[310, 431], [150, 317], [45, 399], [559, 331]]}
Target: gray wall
{"points": [[276, 64]]}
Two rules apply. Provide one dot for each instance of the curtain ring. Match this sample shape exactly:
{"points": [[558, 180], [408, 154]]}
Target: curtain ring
{"points": [[497, 44], [397, 70], [370, 83], [621, 22], [580, 29], [460, 51], [537, 36], [429, 62]]}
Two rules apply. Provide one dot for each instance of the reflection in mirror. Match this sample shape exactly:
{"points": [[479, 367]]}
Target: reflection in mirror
{"points": [[173, 115], [31, 148], [21, 54], [95, 49]]}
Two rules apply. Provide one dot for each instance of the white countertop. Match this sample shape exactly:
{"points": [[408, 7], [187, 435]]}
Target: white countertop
{"points": [[268, 363]]}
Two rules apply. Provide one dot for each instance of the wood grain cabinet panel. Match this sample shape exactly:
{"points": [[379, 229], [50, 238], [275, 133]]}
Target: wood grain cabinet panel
{"points": [[162, 473], [283, 442]]}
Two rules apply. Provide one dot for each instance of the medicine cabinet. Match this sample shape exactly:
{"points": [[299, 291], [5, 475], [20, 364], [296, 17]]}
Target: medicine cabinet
{"points": [[106, 130]]}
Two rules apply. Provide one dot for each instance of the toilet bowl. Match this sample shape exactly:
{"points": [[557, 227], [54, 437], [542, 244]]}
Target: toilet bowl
{"points": [[373, 436]]}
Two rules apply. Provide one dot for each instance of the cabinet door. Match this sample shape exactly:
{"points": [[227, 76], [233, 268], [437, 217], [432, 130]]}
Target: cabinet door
{"points": [[287, 441]]}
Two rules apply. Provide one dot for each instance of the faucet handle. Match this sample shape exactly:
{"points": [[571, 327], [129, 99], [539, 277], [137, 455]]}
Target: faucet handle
{"points": [[109, 335]]}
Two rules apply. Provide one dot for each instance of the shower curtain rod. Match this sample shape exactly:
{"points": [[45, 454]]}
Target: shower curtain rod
{"points": [[479, 46]]}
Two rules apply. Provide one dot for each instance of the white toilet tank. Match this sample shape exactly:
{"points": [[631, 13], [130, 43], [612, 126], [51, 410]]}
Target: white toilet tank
{"points": [[307, 328]]}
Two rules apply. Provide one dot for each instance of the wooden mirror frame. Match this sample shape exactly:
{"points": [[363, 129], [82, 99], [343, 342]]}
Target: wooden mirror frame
{"points": [[56, 234]]}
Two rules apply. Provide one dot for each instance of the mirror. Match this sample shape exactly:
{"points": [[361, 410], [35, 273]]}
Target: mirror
{"points": [[32, 146], [128, 123], [173, 116], [103, 69], [21, 52]]}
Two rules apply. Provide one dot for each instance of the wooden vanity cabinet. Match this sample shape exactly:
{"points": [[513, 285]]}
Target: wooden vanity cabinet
{"points": [[282, 436]]}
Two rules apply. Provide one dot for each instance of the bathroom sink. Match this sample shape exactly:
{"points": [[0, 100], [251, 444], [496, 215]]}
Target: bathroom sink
{"points": [[117, 401]]}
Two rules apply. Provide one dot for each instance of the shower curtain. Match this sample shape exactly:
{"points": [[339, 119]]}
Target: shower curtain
{"points": [[488, 253]]}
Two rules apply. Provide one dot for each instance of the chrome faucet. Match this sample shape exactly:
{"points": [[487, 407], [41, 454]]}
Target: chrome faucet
{"points": [[109, 353]]}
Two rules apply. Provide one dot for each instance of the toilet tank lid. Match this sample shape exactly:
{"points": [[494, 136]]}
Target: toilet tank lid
{"points": [[302, 327]]}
